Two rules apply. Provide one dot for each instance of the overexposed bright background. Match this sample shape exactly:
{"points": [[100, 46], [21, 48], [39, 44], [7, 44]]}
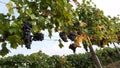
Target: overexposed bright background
{"points": [[50, 46]]}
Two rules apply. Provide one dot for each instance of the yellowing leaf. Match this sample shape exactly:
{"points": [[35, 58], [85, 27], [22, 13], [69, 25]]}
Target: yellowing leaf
{"points": [[8, 5], [105, 43], [83, 24], [101, 36], [83, 36], [100, 27], [76, 44], [78, 38]]}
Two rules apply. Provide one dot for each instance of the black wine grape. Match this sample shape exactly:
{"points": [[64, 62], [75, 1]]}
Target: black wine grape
{"points": [[63, 36], [72, 47], [27, 34], [72, 36], [38, 37]]}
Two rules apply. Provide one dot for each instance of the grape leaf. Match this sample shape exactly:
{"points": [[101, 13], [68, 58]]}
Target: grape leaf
{"points": [[60, 44], [4, 49], [10, 7]]}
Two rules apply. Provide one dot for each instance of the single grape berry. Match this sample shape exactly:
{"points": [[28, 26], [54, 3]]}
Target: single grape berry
{"points": [[72, 47], [63, 36], [85, 47], [72, 36], [38, 37]]}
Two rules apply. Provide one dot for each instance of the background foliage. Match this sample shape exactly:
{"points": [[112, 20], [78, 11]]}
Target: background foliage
{"points": [[40, 60]]}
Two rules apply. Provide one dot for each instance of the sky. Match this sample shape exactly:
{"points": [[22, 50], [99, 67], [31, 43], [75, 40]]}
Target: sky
{"points": [[50, 46]]}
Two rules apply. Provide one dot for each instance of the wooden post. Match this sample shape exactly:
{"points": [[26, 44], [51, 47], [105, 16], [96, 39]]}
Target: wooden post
{"points": [[94, 56]]}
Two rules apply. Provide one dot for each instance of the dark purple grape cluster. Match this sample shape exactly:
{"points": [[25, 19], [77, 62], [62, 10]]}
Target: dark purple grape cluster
{"points": [[85, 47], [38, 37], [72, 47], [72, 36], [63, 36], [27, 37]]}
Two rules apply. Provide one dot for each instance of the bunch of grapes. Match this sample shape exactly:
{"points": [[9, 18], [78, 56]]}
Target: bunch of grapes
{"points": [[63, 36], [38, 37], [26, 34], [72, 36], [85, 47], [72, 47]]}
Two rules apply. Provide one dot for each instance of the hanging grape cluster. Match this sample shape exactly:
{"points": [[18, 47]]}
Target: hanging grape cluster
{"points": [[38, 37], [72, 35], [27, 34], [63, 36], [72, 47], [27, 37]]}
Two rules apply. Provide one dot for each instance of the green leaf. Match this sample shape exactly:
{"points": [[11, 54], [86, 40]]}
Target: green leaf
{"points": [[14, 45], [10, 7], [4, 49], [13, 29], [29, 11], [32, 16], [60, 44], [13, 40], [36, 29], [11, 11], [50, 32]]}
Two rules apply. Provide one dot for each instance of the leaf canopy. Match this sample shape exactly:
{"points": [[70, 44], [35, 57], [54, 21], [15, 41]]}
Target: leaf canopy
{"points": [[57, 15]]}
